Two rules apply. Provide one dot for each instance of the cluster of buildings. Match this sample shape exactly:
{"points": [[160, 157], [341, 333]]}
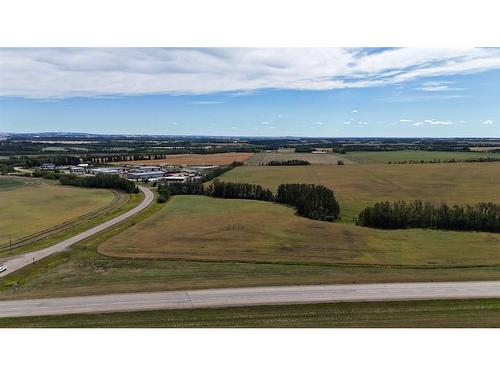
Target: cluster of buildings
{"points": [[167, 174]]}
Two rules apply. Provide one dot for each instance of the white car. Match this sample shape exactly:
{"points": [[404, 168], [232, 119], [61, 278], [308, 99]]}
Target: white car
{"points": [[2, 268]]}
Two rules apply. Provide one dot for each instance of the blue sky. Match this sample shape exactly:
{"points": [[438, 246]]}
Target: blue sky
{"points": [[254, 92]]}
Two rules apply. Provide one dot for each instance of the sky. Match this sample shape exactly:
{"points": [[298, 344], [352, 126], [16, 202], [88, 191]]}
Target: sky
{"points": [[317, 92]]}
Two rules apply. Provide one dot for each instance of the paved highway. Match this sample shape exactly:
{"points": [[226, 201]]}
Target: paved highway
{"points": [[17, 262], [192, 299]]}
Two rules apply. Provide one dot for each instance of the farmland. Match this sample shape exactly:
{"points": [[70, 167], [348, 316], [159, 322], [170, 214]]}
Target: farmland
{"points": [[405, 314], [196, 159], [200, 242], [31, 206], [359, 185], [203, 228], [266, 157], [397, 156]]}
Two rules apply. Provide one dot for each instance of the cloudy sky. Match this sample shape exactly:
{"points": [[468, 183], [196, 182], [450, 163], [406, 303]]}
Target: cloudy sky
{"points": [[269, 92]]}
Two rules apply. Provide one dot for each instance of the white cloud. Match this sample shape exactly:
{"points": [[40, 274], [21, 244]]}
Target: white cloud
{"points": [[265, 123], [354, 111], [488, 122], [318, 123], [404, 120], [462, 122], [438, 122], [97, 72], [417, 124], [363, 123], [347, 123], [435, 86]]}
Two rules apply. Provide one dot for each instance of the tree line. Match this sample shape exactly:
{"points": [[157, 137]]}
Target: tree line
{"points": [[279, 163], [100, 180], [482, 216], [311, 201], [435, 161]]}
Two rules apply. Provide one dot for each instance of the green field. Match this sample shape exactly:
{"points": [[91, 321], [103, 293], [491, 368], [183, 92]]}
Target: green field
{"points": [[9, 183], [429, 314], [357, 186], [395, 156], [204, 228], [34, 206]]}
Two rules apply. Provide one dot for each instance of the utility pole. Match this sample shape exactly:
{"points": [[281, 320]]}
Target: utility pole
{"points": [[10, 244]]}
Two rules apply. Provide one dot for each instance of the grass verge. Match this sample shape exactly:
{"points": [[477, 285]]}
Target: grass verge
{"points": [[483, 313]]}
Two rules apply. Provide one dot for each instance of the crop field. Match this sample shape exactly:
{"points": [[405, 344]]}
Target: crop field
{"points": [[32, 206], [195, 159], [405, 314], [395, 156], [84, 271], [359, 185], [204, 228], [266, 157], [196, 242]]}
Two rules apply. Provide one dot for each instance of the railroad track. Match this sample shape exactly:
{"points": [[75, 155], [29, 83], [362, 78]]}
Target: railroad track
{"points": [[119, 199]]}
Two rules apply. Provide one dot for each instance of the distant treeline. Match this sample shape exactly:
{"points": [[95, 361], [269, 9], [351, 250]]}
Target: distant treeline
{"points": [[103, 159], [311, 201], [100, 181], [279, 163], [483, 217], [435, 161]]}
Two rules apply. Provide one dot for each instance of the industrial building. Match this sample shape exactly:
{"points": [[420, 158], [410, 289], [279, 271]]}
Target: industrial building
{"points": [[145, 175]]}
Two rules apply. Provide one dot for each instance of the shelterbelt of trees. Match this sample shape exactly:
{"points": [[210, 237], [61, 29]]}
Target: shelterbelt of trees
{"points": [[280, 163], [482, 216], [100, 181], [311, 201], [436, 161]]}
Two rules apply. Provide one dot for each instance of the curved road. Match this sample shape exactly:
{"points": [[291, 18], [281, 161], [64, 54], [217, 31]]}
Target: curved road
{"points": [[193, 299], [17, 262]]}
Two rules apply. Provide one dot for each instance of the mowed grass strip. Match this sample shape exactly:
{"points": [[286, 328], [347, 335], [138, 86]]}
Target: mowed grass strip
{"points": [[411, 314], [200, 227], [32, 208], [359, 185]]}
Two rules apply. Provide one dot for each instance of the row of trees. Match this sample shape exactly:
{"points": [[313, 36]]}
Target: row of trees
{"points": [[239, 190], [312, 201], [279, 163], [417, 214], [123, 158], [100, 181], [434, 161]]}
